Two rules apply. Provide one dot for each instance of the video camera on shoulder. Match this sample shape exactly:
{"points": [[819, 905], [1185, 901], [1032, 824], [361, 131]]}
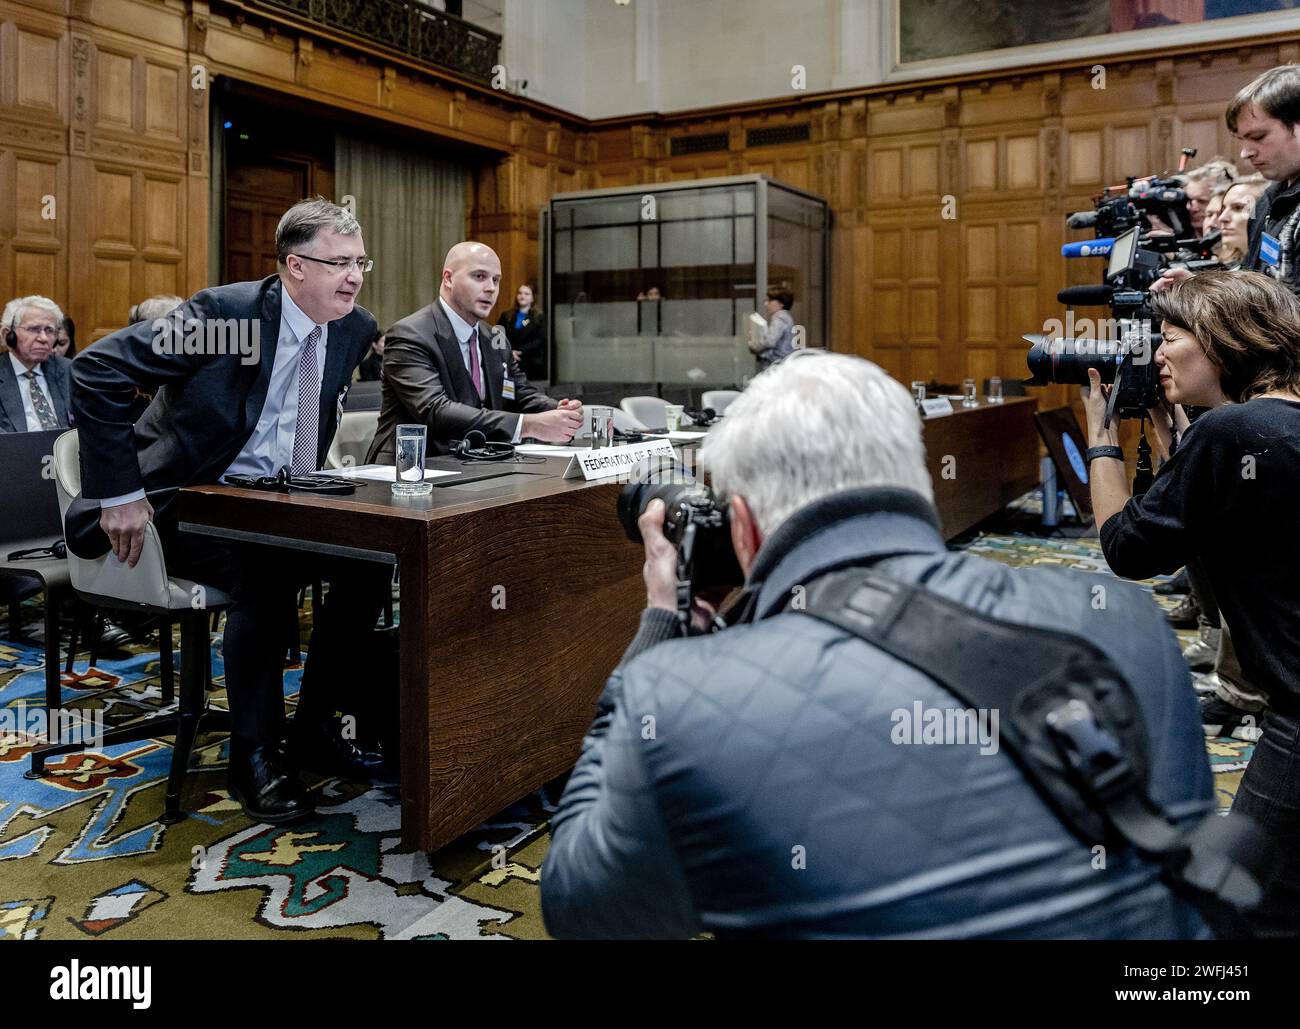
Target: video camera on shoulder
{"points": [[1144, 228]]}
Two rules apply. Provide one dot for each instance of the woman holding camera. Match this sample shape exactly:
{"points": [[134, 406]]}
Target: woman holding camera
{"points": [[1230, 497]]}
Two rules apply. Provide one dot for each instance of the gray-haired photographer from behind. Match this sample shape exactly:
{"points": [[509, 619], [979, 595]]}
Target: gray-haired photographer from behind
{"points": [[786, 777]]}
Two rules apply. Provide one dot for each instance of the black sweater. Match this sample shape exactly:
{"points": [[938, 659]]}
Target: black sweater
{"points": [[1230, 496]]}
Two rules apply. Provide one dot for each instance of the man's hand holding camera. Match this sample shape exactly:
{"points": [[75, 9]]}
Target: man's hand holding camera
{"points": [[660, 568]]}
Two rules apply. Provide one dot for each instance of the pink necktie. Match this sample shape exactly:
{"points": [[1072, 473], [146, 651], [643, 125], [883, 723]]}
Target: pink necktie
{"points": [[475, 372]]}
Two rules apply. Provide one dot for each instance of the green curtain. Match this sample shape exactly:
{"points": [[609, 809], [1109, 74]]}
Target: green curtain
{"points": [[412, 210]]}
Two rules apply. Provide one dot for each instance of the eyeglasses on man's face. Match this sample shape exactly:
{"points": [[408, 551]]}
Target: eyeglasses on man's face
{"points": [[342, 265], [41, 330]]}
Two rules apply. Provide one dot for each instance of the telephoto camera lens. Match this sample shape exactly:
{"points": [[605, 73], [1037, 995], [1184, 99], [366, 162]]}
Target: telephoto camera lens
{"points": [[687, 502]]}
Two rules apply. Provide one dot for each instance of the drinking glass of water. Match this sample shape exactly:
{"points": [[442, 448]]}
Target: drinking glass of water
{"points": [[995, 390], [409, 479], [968, 398], [602, 427]]}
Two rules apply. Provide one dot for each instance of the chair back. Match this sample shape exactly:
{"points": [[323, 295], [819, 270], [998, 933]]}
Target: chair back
{"points": [[719, 399], [366, 395], [106, 576], [29, 502], [649, 411], [355, 433]]}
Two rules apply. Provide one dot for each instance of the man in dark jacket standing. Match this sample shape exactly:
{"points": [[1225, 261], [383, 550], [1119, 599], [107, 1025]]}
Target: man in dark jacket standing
{"points": [[755, 782], [247, 378]]}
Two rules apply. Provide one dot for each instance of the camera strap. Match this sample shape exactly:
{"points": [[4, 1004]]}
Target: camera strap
{"points": [[1067, 717]]}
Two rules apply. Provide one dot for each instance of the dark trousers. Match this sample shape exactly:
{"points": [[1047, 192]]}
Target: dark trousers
{"points": [[1270, 794], [1203, 591], [263, 583]]}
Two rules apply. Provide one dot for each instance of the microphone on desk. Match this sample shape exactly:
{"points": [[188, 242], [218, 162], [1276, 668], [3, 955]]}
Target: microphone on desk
{"points": [[704, 416]]}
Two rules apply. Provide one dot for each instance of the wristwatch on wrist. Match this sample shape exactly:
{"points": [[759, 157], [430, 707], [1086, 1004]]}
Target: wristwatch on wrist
{"points": [[1109, 451]]}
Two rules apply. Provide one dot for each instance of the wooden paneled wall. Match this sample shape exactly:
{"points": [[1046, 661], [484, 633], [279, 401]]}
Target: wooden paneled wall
{"points": [[104, 149], [948, 197]]}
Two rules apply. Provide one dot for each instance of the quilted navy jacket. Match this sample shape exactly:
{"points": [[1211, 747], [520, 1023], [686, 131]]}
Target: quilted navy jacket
{"points": [[749, 783]]}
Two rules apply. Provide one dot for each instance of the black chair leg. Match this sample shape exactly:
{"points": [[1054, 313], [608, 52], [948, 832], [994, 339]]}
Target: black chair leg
{"points": [[165, 669], [195, 672], [53, 681], [73, 640], [96, 634]]}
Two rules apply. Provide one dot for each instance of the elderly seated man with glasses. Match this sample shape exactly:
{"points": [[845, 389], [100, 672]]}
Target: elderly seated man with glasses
{"points": [[218, 411], [33, 378]]}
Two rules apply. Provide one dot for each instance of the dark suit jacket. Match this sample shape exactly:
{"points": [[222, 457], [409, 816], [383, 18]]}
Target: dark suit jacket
{"points": [[55, 371], [426, 382], [204, 410], [529, 339]]}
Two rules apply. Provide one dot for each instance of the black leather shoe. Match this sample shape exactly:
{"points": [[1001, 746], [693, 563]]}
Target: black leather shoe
{"points": [[266, 789], [1186, 614], [321, 746], [112, 637]]}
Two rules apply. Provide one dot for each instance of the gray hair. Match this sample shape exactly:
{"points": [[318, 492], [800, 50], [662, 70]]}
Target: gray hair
{"points": [[17, 306], [811, 426], [299, 225], [1217, 171], [153, 308]]}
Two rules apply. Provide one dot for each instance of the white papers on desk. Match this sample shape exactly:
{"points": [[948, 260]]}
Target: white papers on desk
{"points": [[381, 472], [684, 435], [548, 450]]}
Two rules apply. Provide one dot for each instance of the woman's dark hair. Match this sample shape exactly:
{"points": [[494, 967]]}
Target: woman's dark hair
{"points": [[70, 327], [782, 295], [515, 303], [1247, 323]]}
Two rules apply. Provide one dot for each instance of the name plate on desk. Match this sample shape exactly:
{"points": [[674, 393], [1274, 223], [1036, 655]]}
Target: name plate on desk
{"points": [[610, 462], [936, 406]]}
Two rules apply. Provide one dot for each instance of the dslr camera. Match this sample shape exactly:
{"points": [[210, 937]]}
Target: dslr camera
{"points": [[696, 522]]}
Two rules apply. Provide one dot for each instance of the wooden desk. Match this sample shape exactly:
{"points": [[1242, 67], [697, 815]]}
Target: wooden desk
{"points": [[995, 450], [519, 595]]}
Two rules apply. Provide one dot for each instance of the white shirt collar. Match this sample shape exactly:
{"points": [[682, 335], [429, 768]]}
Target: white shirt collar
{"points": [[291, 314], [20, 369], [463, 329]]}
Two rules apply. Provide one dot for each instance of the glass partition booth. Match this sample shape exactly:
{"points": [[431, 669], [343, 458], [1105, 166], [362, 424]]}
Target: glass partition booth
{"points": [[657, 283]]}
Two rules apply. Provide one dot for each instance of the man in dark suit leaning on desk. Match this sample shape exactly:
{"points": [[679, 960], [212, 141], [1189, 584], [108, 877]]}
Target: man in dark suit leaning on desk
{"points": [[443, 369], [247, 378]]}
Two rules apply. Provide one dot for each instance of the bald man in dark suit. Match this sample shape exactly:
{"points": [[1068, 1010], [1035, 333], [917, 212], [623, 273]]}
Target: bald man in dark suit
{"points": [[443, 369]]}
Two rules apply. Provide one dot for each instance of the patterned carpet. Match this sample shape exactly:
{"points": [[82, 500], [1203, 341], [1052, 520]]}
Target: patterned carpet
{"points": [[82, 853]]}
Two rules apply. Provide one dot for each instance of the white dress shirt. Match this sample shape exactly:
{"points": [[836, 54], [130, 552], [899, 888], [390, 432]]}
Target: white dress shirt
{"points": [[464, 333], [25, 389], [270, 447]]}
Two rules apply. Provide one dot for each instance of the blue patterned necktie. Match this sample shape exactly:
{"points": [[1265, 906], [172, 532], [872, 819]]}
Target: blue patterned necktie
{"points": [[40, 402], [306, 429]]}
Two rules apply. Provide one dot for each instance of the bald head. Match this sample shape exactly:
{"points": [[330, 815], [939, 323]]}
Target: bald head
{"points": [[471, 278]]}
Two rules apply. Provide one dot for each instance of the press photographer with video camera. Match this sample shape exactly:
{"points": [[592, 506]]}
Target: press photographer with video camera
{"points": [[765, 779], [1228, 497], [1265, 117]]}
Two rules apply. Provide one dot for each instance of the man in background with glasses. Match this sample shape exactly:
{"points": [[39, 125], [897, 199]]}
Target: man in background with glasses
{"points": [[33, 378], [214, 413]]}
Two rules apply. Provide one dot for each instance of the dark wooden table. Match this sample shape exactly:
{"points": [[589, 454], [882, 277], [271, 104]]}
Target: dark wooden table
{"points": [[994, 459], [994, 454], [519, 595]]}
